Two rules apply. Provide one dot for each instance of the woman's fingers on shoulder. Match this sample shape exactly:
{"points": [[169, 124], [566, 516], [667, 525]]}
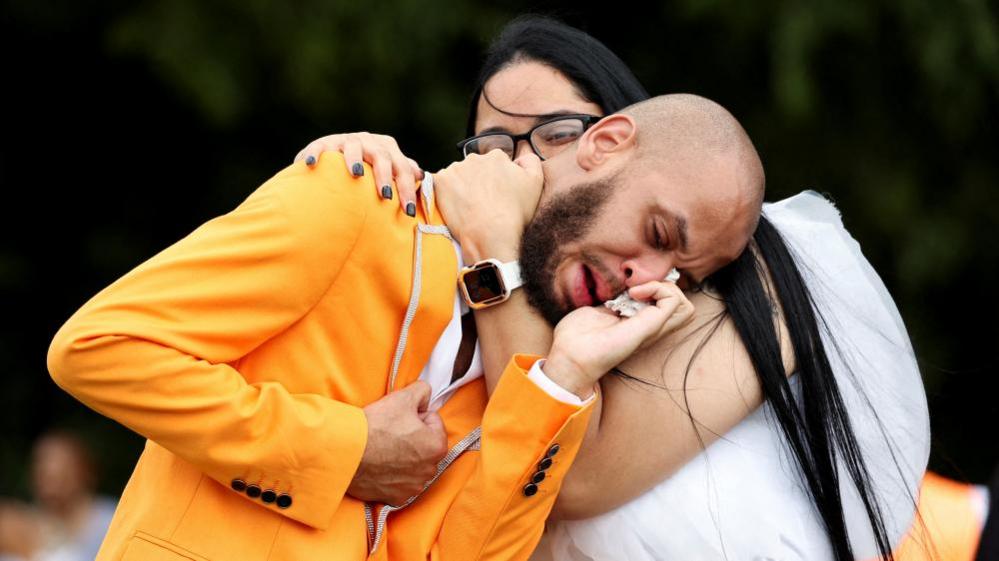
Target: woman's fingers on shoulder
{"points": [[417, 173], [417, 170], [353, 155], [382, 169], [405, 178], [310, 154], [390, 166], [388, 141]]}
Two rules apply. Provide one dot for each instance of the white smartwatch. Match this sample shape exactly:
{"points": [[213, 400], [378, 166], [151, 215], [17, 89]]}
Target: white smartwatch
{"points": [[489, 282]]}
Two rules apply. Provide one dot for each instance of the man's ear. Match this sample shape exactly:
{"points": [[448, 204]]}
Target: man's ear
{"points": [[613, 135]]}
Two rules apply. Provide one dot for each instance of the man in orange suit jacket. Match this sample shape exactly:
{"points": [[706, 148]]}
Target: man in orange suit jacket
{"points": [[247, 354]]}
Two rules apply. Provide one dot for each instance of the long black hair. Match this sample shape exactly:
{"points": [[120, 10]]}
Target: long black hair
{"points": [[816, 428], [598, 74]]}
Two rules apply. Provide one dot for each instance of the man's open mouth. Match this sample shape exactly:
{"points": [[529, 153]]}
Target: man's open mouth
{"points": [[584, 287], [591, 285]]}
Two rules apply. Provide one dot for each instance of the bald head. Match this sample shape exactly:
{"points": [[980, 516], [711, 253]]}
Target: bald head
{"points": [[688, 131], [698, 144]]}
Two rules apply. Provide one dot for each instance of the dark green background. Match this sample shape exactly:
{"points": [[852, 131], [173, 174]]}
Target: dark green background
{"points": [[124, 125]]}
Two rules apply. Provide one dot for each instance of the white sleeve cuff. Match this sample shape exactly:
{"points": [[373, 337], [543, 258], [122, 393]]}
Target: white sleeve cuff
{"points": [[537, 375]]}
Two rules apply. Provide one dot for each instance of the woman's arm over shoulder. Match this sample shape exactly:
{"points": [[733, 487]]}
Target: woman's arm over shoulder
{"points": [[663, 408]]}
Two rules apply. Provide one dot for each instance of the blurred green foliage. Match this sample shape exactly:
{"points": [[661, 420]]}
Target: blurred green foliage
{"points": [[889, 106]]}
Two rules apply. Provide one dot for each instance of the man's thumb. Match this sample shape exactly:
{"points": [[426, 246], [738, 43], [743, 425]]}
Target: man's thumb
{"points": [[434, 422], [418, 394]]}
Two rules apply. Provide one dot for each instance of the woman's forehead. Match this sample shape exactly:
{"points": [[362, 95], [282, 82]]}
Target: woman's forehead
{"points": [[518, 94]]}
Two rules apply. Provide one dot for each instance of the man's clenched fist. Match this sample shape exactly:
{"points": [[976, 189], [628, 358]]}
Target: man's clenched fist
{"points": [[405, 442]]}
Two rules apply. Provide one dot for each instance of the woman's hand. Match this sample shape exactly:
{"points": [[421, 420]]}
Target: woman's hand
{"points": [[486, 201], [590, 341], [384, 155]]}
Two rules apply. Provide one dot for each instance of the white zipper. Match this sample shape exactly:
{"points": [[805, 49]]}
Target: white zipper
{"points": [[471, 441], [414, 298], [374, 535]]}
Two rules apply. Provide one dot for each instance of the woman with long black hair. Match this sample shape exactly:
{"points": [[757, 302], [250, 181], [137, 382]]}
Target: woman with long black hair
{"points": [[788, 421]]}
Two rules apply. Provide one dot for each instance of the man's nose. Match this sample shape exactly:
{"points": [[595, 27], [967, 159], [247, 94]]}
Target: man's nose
{"points": [[642, 270]]}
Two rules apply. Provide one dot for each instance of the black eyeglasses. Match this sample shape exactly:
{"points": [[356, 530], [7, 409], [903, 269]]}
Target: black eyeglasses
{"points": [[546, 139]]}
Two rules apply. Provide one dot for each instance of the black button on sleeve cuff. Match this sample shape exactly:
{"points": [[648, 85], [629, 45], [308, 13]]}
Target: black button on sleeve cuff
{"points": [[253, 491], [284, 500]]}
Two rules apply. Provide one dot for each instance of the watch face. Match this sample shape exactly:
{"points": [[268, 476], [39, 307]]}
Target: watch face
{"points": [[483, 284]]}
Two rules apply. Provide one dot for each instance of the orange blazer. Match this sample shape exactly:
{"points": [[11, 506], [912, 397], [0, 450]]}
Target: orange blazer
{"points": [[948, 526], [244, 353]]}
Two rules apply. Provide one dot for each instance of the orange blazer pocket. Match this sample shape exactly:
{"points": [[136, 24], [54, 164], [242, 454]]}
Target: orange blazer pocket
{"points": [[143, 547]]}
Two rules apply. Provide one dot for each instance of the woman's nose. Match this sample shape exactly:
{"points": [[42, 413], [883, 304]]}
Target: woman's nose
{"points": [[523, 147]]}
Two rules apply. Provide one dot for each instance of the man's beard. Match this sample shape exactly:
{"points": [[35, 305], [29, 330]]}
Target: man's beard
{"points": [[566, 218]]}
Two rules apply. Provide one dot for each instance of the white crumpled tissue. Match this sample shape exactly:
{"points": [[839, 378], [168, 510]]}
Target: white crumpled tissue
{"points": [[625, 306]]}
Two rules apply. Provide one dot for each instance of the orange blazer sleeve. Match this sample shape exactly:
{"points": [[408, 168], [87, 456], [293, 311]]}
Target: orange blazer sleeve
{"points": [[529, 440], [154, 350]]}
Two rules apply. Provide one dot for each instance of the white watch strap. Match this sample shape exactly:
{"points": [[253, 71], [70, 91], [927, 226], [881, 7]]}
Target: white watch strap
{"points": [[511, 275]]}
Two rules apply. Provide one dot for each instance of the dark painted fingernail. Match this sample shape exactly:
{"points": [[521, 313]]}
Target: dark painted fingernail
{"points": [[310, 161], [386, 192], [357, 170], [411, 209]]}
